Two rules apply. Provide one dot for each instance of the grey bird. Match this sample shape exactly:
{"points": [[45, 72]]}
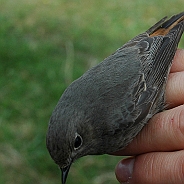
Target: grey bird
{"points": [[103, 110]]}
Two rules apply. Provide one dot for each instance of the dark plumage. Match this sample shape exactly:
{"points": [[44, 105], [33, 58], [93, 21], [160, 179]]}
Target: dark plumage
{"points": [[103, 110]]}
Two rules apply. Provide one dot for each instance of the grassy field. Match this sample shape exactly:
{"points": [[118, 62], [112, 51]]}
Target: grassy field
{"points": [[44, 46]]}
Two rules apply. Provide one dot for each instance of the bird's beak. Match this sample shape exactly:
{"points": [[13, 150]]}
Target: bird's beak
{"points": [[64, 173]]}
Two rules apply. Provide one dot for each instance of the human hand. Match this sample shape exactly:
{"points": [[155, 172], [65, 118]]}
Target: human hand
{"points": [[158, 150]]}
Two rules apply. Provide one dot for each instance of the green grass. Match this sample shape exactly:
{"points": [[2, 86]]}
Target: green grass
{"points": [[44, 46]]}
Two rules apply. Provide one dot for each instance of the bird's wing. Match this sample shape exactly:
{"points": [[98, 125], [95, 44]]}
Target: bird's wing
{"points": [[156, 54]]}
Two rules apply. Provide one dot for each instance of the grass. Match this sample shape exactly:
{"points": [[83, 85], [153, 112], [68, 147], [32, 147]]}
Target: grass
{"points": [[44, 46]]}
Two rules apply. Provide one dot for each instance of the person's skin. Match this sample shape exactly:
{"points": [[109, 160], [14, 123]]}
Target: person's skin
{"points": [[159, 147]]}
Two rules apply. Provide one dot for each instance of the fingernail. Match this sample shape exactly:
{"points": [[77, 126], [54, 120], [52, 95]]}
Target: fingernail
{"points": [[124, 170]]}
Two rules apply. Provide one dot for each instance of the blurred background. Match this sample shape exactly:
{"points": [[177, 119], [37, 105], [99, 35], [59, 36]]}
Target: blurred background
{"points": [[44, 46]]}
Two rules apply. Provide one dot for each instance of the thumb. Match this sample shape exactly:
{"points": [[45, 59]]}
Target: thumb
{"points": [[151, 168]]}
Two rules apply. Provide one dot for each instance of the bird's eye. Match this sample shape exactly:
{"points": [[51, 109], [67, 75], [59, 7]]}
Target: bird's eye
{"points": [[78, 142]]}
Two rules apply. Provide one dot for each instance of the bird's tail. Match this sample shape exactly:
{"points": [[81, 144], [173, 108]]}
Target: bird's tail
{"points": [[163, 27]]}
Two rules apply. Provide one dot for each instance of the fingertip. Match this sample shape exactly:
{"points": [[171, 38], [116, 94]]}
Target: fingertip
{"points": [[124, 170], [151, 168]]}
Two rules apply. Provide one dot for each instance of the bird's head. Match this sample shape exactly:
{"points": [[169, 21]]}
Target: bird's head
{"points": [[71, 133], [67, 141], [65, 145]]}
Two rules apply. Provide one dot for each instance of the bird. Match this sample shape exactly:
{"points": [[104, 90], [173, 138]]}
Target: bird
{"points": [[104, 109]]}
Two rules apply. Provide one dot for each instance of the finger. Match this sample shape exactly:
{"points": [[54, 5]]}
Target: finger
{"points": [[178, 62], [164, 132], [175, 89], [151, 168]]}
